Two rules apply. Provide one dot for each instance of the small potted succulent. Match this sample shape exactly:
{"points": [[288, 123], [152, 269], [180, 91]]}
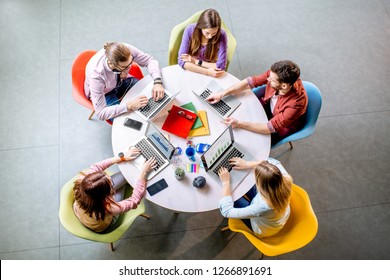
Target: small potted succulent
{"points": [[179, 173]]}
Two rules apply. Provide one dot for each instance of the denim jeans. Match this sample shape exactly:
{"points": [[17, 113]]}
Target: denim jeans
{"points": [[244, 202]]}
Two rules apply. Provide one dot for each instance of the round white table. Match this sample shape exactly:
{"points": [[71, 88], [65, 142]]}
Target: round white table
{"points": [[181, 196]]}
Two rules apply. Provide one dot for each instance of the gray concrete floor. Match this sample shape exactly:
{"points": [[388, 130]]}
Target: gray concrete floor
{"points": [[341, 46]]}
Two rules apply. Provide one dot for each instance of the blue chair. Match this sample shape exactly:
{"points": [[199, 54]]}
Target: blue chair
{"points": [[312, 112]]}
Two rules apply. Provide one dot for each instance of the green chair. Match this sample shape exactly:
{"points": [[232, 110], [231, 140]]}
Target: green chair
{"points": [[73, 225], [177, 34]]}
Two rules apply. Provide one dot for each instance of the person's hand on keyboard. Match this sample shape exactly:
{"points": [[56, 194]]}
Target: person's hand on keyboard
{"points": [[215, 97], [239, 163], [224, 175], [157, 92], [137, 103], [147, 167], [132, 153], [231, 121]]}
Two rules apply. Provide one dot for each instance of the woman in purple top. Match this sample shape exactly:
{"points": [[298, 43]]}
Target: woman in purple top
{"points": [[107, 79], [203, 48]]}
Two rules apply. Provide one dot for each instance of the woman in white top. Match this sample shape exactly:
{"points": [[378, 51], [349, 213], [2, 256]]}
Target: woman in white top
{"points": [[265, 208]]}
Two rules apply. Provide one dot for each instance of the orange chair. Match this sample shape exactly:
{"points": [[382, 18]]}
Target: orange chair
{"points": [[78, 78]]}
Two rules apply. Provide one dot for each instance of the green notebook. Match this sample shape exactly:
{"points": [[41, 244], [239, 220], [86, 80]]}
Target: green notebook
{"points": [[190, 106]]}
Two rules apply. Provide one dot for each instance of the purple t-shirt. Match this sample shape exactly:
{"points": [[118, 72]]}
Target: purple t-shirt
{"points": [[186, 42]]}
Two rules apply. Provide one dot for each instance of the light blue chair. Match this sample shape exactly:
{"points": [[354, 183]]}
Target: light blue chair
{"points": [[312, 112]]}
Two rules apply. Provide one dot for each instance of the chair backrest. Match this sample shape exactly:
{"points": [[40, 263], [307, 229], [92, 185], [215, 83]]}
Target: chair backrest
{"points": [[314, 104], [74, 226], [78, 78], [177, 35], [300, 229]]}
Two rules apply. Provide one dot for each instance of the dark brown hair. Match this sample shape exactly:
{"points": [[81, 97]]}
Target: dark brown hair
{"points": [[208, 19], [287, 71], [273, 186], [93, 194]]}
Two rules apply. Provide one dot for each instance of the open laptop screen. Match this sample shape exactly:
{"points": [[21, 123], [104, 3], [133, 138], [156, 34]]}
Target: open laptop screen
{"points": [[218, 148], [160, 142]]}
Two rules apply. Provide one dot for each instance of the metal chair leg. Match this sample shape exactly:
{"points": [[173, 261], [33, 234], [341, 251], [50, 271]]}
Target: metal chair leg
{"points": [[146, 216], [90, 116], [225, 228]]}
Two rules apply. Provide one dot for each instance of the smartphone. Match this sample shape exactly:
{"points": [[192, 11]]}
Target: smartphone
{"points": [[157, 187], [134, 124]]}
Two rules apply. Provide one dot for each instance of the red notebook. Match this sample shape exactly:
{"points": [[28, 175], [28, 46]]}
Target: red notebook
{"points": [[179, 121]]}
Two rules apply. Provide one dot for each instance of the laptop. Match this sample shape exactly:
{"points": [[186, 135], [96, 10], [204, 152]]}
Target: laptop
{"points": [[225, 107], [153, 144], [219, 153], [151, 109]]}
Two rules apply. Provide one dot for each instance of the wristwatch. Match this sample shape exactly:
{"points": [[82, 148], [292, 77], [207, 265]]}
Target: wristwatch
{"points": [[121, 156], [200, 62]]}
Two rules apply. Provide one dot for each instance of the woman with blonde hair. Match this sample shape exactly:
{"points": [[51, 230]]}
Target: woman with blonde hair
{"points": [[265, 207], [204, 45], [99, 197]]}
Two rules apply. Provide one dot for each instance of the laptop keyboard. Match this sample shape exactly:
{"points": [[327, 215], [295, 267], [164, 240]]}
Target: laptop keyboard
{"points": [[220, 106], [147, 151], [225, 162], [152, 105]]}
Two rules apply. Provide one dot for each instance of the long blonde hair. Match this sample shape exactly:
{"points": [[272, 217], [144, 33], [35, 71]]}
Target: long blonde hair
{"points": [[273, 186], [208, 19]]}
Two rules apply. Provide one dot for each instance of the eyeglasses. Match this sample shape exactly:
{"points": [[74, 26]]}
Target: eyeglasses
{"points": [[184, 115], [120, 70]]}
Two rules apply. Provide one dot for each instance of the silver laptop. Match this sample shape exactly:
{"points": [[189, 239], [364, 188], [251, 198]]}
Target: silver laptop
{"points": [[219, 153], [225, 107], [151, 109], [153, 144]]}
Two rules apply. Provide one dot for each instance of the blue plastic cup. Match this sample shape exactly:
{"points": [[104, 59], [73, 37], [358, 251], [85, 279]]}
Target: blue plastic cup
{"points": [[190, 153]]}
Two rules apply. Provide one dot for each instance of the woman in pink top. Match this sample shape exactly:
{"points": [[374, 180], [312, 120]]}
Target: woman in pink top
{"points": [[98, 197], [107, 79]]}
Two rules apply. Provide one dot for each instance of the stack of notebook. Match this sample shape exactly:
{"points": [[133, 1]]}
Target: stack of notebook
{"points": [[185, 121]]}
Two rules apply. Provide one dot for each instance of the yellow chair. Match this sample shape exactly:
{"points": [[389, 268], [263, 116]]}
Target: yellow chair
{"points": [[300, 229], [73, 225], [177, 34]]}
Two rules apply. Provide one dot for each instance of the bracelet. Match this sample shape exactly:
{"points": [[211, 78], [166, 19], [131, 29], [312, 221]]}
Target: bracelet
{"points": [[157, 83]]}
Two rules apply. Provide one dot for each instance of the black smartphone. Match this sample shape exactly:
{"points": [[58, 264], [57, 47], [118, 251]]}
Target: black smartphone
{"points": [[134, 124], [157, 187]]}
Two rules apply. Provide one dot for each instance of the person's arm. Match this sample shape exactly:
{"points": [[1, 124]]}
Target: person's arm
{"points": [[138, 191], [222, 51], [234, 89], [262, 128], [185, 44], [102, 110], [226, 207]]}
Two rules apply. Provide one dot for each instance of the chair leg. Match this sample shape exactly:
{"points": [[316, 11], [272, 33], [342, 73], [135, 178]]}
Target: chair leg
{"points": [[262, 256], [112, 247], [90, 116], [291, 145], [145, 216], [225, 229]]}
